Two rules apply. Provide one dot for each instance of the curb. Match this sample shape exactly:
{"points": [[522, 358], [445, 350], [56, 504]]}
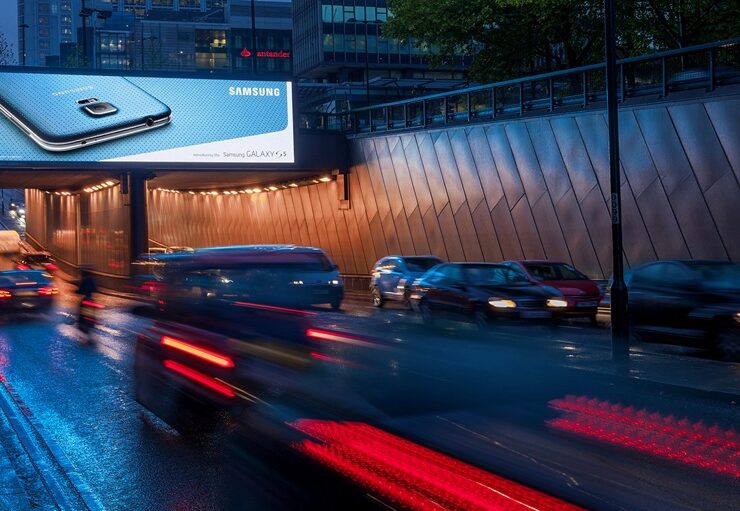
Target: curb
{"points": [[58, 475]]}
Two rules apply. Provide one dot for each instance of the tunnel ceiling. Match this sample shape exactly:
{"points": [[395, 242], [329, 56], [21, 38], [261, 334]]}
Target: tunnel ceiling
{"points": [[76, 179]]}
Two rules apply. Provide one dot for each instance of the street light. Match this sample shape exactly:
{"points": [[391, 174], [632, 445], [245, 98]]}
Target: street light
{"points": [[23, 28], [148, 38], [620, 328]]}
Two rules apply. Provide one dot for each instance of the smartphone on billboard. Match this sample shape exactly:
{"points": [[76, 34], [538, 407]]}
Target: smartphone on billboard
{"points": [[66, 112]]}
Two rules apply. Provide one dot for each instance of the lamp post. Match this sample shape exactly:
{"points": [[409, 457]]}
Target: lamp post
{"points": [[23, 28], [620, 327], [148, 38]]}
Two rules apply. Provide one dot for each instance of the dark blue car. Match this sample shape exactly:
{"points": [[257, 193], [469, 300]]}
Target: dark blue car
{"points": [[392, 276]]}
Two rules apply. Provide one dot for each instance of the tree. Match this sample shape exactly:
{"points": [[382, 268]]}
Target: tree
{"points": [[511, 38], [7, 55]]}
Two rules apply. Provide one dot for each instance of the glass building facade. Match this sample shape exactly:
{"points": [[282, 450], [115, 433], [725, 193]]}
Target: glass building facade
{"points": [[160, 35]]}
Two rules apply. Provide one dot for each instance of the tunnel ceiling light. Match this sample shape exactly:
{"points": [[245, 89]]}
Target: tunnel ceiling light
{"points": [[272, 188], [110, 183], [293, 185], [325, 179], [256, 190]]}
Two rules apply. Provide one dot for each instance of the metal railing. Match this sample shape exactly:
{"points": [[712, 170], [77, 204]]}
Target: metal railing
{"points": [[705, 66]]}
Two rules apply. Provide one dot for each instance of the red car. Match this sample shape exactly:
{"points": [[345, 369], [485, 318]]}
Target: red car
{"points": [[581, 295]]}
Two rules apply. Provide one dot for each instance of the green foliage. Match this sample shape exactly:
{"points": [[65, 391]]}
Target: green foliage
{"points": [[510, 38]]}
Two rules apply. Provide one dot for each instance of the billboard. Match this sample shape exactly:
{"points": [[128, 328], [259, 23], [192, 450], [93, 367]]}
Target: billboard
{"points": [[66, 119]]}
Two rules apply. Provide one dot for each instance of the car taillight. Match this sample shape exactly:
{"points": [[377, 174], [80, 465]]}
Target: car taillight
{"points": [[198, 377], [94, 305], [48, 291], [21, 266], [4, 293], [51, 266], [198, 352]]}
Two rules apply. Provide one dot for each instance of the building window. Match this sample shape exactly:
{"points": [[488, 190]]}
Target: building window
{"points": [[162, 3], [189, 4]]}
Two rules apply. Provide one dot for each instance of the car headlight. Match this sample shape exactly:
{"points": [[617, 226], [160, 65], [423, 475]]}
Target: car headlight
{"points": [[335, 282], [502, 304], [556, 302], [297, 282], [737, 317]]}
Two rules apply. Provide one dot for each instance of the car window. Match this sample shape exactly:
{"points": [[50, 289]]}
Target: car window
{"points": [[436, 275], [421, 264], [551, 271], [493, 275]]}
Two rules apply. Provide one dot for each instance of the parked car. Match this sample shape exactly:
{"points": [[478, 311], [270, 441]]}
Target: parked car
{"points": [[213, 279], [581, 295], [687, 302], [392, 276], [480, 292], [37, 261], [26, 291]]}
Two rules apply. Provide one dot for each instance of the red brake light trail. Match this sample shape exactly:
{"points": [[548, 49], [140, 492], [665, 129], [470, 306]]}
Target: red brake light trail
{"points": [[200, 378], [23, 267], [413, 476], [48, 291], [201, 353], [691, 443], [4, 293], [326, 335], [94, 305]]}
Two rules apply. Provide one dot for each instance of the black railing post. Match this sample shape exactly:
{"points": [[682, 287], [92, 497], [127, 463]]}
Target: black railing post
{"points": [[711, 69], [424, 113], [444, 110], [584, 85], [620, 329], [493, 103], [387, 119], [664, 76], [406, 116], [469, 105], [550, 83], [521, 99]]}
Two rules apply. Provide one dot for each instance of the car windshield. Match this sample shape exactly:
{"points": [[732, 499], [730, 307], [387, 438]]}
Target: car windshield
{"points": [[493, 275], [421, 264], [554, 271], [725, 276]]}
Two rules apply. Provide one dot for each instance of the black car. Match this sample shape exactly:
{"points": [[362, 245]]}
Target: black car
{"points": [[37, 261], [687, 302], [480, 292], [26, 291]]}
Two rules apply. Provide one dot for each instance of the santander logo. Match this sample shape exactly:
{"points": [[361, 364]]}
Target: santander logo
{"points": [[246, 53]]}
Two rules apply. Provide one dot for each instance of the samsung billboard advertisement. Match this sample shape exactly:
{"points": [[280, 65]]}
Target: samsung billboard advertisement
{"points": [[82, 119]]}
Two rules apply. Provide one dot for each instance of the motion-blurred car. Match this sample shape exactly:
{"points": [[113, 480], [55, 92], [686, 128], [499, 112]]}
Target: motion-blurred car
{"points": [[37, 261], [392, 276], [687, 302], [179, 250], [480, 292], [26, 291], [281, 275], [157, 250], [581, 295]]}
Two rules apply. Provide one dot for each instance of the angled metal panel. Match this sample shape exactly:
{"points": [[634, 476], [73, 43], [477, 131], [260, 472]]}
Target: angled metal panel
{"points": [[595, 214], [486, 168], [549, 158], [432, 171], [527, 230], [526, 160], [486, 232], [468, 234], [724, 115], [508, 237], [450, 235], [403, 176], [633, 154], [418, 232], [550, 230], [580, 245], [661, 224], [696, 222], [388, 173], [434, 235], [466, 167], [723, 199], [417, 173], [593, 129], [504, 159], [638, 247], [664, 146], [573, 152], [700, 142], [450, 173]]}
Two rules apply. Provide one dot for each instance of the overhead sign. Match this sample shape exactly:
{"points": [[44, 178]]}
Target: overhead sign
{"points": [[266, 54], [63, 119]]}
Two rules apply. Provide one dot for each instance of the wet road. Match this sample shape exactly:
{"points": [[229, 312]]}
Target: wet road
{"points": [[83, 395]]}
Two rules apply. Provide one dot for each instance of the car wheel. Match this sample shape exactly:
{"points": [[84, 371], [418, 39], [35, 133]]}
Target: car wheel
{"points": [[377, 297], [426, 313], [593, 321], [335, 305], [482, 321], [727, 345]]}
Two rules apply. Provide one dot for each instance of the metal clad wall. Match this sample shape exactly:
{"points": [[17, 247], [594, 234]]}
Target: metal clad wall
{"points": [[509, 189]]}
